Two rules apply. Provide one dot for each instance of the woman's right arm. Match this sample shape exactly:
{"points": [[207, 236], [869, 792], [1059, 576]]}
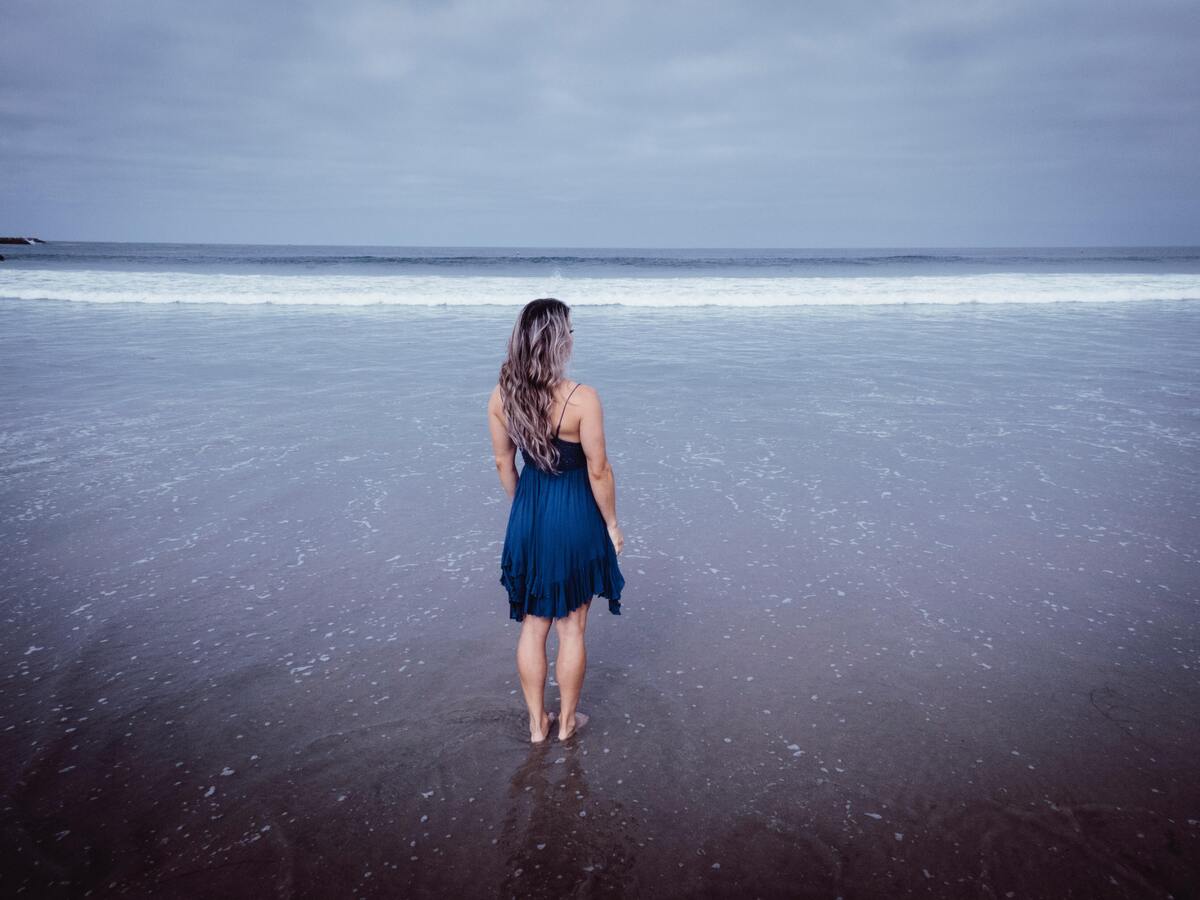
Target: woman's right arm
{"points": [[502, 445], [600, 473]]}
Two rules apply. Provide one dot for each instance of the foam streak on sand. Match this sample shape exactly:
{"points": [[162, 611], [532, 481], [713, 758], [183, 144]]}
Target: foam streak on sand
{"points": [[100, 286]]}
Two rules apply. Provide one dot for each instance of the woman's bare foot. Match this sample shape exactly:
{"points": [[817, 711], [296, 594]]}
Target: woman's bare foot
{"points": [[538, 736], [572, 728]]}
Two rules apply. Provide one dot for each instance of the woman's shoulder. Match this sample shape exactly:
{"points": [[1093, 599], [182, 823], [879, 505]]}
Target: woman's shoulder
{"points": [[586, 394], [574, 389]]}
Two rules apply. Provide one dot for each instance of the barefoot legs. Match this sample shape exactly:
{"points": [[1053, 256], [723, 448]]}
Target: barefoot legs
{"points": [[569, 669]]}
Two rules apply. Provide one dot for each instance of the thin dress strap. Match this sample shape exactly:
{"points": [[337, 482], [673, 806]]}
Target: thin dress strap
{"points": [[564, 409]]}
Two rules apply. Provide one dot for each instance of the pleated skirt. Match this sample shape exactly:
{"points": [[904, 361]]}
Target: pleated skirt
{"points": [[557, 553]]}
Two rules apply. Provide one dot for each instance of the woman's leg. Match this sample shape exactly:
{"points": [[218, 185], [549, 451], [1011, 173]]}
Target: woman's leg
{"points": [[570, 666], [532, 666]]}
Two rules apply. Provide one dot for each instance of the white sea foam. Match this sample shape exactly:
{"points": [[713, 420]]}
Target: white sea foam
{"points": [[723, 291]]}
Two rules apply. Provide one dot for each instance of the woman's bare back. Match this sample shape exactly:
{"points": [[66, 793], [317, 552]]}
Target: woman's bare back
{"points": [[572, 415]]}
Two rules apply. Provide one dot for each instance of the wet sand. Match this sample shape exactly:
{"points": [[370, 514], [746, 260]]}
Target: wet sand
{"points": [[911, 607]]}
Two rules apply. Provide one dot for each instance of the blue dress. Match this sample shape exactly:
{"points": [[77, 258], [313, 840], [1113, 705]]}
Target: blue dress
{"points": [[557, 553]]}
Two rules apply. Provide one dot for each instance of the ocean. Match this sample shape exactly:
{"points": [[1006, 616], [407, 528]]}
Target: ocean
{"points": [[367, 276], [912, 575]]}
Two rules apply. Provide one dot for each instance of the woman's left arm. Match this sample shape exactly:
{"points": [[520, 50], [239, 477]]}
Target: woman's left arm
{"points": [[502, 445]]}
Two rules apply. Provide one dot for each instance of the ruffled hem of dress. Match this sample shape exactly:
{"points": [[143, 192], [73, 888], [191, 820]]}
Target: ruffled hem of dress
{"points": [[599, 578]]}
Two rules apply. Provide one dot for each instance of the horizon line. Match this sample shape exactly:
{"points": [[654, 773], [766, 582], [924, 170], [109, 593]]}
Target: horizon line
{"points": [[598, 247]]}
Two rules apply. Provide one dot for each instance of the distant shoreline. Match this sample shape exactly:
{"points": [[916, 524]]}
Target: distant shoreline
{"points": [[21, 240]]}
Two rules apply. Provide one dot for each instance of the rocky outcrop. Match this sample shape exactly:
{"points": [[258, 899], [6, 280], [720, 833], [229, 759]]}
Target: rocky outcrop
{"points": [[21, 240]]}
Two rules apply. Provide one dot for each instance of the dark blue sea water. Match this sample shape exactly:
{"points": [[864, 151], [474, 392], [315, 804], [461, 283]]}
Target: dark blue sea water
{"points": [[524, 261], [424, 276]]}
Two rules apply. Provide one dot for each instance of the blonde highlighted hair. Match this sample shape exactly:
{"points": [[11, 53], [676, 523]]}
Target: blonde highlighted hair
{"points": [[538, 351]]}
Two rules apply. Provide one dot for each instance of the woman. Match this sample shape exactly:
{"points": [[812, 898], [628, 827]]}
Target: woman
{"points": [[562, 541]]}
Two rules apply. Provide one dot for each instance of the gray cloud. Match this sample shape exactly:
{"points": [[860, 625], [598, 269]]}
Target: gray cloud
{"points": [[613, 124]]}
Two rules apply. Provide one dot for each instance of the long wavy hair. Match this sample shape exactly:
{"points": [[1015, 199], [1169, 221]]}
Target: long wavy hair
{"points": [[538, 351]]}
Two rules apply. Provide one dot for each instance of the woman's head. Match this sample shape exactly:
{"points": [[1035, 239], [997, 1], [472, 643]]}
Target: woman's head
{"points": [[538, 351], [542, 339]]}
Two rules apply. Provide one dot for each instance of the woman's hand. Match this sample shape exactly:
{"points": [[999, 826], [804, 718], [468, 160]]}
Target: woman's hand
{"points": [[618, 539]]}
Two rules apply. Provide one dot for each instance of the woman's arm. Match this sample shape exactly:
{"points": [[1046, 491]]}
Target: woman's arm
{"points": [[502, 446], [600, 473]]}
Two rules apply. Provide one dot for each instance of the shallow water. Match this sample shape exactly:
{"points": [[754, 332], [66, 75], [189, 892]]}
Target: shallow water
{"points": [[911, 605]]}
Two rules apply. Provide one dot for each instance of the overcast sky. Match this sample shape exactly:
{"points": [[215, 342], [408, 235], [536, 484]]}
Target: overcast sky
{"points": [[611, 124]]}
